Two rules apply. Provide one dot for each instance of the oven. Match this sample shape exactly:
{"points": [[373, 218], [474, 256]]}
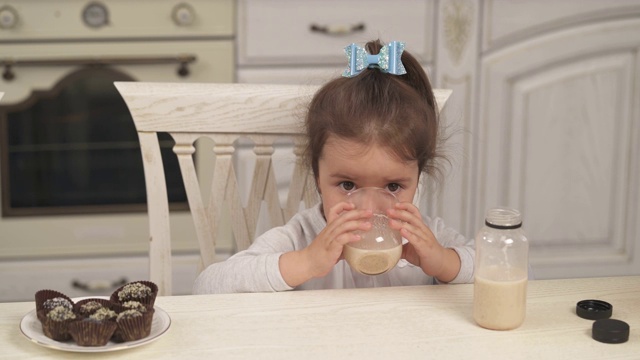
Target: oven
{"points": [[72, 183]]}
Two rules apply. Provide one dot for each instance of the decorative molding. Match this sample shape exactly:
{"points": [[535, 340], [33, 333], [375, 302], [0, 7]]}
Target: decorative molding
{"points": [[586, 14], [458, 22]]}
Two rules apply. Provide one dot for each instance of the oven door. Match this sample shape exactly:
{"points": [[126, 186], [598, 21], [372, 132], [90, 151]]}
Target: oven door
{"points": [[72, 177]]}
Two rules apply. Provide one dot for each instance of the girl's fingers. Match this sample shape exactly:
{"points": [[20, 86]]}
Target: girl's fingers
{"points": [[345, 232], [338, 209], [408, 220], [405, 212], [341, 229], [402, 220], [346, 211]]}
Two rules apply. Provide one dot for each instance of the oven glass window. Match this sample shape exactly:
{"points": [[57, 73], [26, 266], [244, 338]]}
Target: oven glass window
{"points": [[75, 150]]}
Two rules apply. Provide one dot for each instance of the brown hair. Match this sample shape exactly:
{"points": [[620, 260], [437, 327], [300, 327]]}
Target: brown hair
{"points": [[373, 107]]}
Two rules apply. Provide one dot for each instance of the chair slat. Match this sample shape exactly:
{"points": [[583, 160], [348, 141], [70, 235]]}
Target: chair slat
{"points": [[185, 149], [264, 151]]}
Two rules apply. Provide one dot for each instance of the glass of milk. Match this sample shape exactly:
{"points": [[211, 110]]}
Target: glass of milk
{"points": [[381, 247]]}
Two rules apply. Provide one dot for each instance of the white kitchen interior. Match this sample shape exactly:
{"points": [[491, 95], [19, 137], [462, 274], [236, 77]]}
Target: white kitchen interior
{"points": [[545, 117]]}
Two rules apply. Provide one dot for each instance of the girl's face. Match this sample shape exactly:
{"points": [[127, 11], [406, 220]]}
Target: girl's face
{"points": [[346, 165]]}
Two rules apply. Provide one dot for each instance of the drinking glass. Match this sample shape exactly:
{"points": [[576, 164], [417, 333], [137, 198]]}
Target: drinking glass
{"points": [[380, 248]]}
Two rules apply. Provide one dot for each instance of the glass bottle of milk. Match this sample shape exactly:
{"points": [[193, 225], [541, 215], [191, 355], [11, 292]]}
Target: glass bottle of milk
{"points": [[501, 271]]}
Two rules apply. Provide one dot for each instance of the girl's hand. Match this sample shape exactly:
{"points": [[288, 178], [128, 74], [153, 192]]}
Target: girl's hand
{"points": [[317, 259], [423, 249], [326, 249]]}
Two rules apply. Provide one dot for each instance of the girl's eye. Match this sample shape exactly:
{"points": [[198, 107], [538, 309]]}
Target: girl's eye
{"points": [[347, 185], [393, 187]]}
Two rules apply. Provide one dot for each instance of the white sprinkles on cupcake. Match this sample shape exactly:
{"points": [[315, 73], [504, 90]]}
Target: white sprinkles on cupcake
{"points": [[134, 291], [57, 301], [61, 313]]}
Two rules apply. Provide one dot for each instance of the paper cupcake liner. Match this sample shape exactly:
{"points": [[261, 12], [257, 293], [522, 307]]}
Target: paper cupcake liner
{"points": [[117, 307], [56, 330], [46, 294], [134, 328], [41, 315], [92, 333]]}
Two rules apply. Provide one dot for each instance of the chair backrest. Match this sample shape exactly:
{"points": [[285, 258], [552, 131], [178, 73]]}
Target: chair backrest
{"points": [[223, 113]]}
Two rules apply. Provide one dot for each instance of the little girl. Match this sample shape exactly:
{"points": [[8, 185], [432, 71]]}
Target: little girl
{"points": [[372, 127]]}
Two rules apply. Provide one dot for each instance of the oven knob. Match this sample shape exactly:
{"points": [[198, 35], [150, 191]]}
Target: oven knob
{"points": [[183, 14], [8, 17], [95, 15]]}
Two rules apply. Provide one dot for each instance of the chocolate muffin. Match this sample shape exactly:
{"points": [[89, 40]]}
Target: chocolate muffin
{"points": [[141, 291], [134, 305], [133, 325], [52, 298], [56, 322], [103, 314], [89, 306]]}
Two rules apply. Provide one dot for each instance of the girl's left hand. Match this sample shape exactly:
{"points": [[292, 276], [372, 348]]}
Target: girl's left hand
{"points": [[423, 249]]}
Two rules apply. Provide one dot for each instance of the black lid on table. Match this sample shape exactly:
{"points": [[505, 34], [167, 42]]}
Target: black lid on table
{"points": [[610, 331], [594, 309]]}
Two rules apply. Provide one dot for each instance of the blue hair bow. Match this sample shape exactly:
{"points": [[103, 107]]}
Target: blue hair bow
{"points": [[388, 60]]}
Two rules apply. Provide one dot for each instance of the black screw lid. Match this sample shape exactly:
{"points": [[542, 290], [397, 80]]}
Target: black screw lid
{"points": [[594, 309], [610, 331]]}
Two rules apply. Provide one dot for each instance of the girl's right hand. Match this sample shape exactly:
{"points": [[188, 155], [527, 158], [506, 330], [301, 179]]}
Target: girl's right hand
{"points": [[326, 249]]}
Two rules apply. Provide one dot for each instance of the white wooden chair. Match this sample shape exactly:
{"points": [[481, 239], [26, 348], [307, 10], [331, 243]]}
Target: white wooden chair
{"points": [[223, 113]]}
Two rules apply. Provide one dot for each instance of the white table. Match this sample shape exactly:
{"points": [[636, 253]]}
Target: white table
{"points": [[420, 322]]}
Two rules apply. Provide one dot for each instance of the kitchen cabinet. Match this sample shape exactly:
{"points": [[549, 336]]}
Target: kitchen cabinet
{"points": [[556, 130], [284, 42]]}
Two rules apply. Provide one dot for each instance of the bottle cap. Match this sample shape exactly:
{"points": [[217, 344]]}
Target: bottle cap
{"points": [[503, 218], [610, 331], [594, 309]]}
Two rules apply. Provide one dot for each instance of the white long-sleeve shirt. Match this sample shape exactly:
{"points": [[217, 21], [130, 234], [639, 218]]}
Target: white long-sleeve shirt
{"points": [[257, 270]]}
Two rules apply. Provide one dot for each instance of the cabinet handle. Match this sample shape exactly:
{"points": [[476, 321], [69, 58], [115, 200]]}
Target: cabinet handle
{"points": [[181, 60], [98, 285], [337, 30]]}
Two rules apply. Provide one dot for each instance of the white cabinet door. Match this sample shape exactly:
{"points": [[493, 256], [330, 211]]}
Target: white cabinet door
{"points": [[293, 42], [558, 135]]}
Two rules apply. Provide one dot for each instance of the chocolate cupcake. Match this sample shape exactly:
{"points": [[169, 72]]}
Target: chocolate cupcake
{"points": [[134, 305], [89, 306], [144, 292], [104, 314], [92, 332], [52, 299], [55, 323], [133, 325]]}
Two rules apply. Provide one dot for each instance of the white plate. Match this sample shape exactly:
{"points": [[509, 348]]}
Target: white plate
{"points": [[32, 329]]}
